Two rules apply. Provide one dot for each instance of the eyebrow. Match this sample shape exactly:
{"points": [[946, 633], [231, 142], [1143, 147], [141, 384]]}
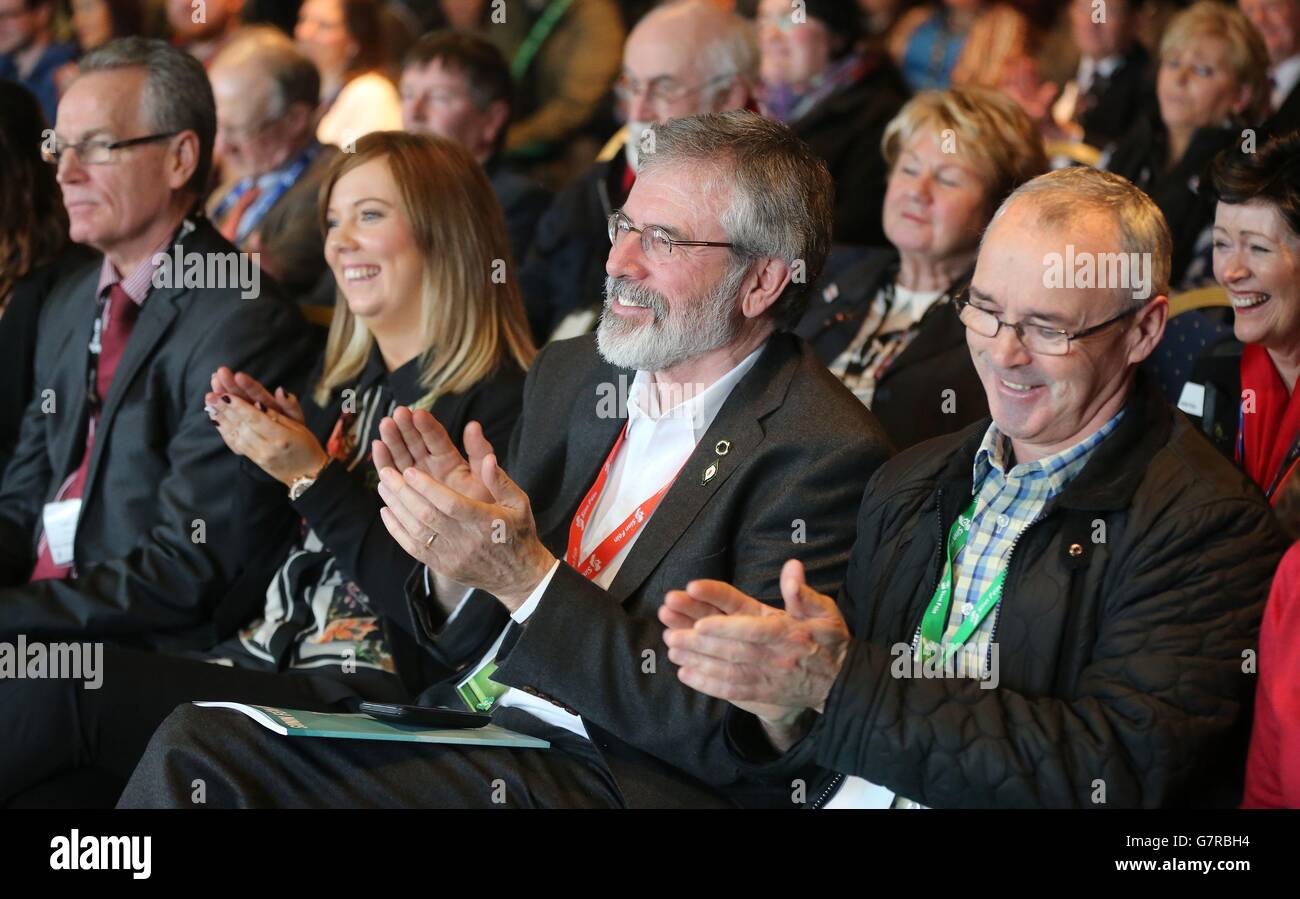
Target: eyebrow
{"points": [[1270, 238], [671, 230], [1052, 318]]}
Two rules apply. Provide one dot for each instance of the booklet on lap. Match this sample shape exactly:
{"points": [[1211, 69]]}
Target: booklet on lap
{"points": [[348, 726]]}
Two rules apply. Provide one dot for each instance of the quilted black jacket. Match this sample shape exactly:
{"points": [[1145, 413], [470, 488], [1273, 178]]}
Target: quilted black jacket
{"points": [[1121, 660]]}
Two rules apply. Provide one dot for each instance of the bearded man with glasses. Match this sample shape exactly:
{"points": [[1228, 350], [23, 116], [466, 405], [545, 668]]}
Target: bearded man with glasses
{"points": [[1054, 607]]}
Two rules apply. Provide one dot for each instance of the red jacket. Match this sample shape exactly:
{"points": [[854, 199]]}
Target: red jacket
{"points": [[1273, 765]]}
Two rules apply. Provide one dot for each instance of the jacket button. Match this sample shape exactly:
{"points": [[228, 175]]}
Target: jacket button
{"points": [[1076, 550]]}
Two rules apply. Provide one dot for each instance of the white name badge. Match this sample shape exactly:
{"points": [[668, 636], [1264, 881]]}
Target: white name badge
{"points": [[61, 529], [1192, 400]]}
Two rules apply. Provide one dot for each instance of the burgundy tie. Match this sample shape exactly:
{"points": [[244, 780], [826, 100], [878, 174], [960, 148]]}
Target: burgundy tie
{"points": [[122, 313]]}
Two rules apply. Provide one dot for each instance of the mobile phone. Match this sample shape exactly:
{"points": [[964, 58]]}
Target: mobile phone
{"points": [[424, 716]]}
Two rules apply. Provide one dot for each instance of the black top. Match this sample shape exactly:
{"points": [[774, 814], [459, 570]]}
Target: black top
{"points": [[1182, 193], [342, 507], [1113, 103], [18, 341], [910, 398]]}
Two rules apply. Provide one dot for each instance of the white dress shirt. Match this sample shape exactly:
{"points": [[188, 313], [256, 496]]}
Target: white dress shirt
{"points": [[659, 441], [1285, 76]]}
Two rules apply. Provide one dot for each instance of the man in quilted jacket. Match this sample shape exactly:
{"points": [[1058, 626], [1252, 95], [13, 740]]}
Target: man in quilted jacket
{"points": [[1057, 607]]}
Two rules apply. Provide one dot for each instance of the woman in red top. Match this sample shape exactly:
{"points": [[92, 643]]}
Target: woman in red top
{"points": [[1273, 765], [1257, 259]]}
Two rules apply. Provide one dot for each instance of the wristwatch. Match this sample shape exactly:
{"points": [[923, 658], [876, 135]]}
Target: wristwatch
{"points": [[300, 485]]}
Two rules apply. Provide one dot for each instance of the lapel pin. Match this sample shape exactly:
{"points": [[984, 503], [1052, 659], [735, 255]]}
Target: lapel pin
{"points": [[723, 447], [709, 473]]}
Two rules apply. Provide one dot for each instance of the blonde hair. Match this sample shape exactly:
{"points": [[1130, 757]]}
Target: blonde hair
{"points": [[1247, 54], [989, 130], [472, 318]]}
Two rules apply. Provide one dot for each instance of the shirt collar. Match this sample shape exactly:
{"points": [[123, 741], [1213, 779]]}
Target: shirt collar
{"points": [[403, 382], [1058, 469], [1285, 75], [699, 408], [137, 283]]}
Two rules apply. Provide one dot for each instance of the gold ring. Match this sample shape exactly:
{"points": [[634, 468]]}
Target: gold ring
{"points": [[429, 543]]}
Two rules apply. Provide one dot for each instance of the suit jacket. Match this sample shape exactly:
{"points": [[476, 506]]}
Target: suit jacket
{"points": [[802, 448], [1114, 103], [565, 266], [166, 533], [290, 233], [910, 399], [1287, 116]]}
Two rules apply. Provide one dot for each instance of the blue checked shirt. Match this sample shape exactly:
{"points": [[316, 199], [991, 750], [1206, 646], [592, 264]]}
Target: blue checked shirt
{"points": [[1007, 502]]}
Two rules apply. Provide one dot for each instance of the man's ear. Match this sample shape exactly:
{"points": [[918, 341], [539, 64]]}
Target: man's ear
{"points": [[183, 160], [1148, 328], [496, 117], [733, 95], [767, 280]]}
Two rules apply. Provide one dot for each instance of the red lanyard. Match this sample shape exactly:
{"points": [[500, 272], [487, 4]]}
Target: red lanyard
{"points": [[616, 539]]}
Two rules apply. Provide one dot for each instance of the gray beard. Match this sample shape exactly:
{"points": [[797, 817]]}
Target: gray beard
{"points": [[703, 325]]}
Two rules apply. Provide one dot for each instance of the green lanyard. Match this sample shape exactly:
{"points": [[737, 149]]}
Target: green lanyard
{"points": [[935, 621]]}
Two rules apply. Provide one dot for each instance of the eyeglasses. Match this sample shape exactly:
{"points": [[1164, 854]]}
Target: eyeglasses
{"points": [[655, 242], [1038, 339], [661, 91], [97, 152]]}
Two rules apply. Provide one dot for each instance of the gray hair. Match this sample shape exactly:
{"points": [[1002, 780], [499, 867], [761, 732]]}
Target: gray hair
{"points": [[781, 195], [1061, 197], [292, 76], [177, 95]]}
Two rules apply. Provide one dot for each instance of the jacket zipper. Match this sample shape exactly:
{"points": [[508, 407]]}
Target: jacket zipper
{"points": [[937, 566]]}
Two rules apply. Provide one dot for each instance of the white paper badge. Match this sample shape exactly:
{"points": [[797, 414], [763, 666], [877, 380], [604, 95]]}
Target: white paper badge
{"points": [[1192, 400], [61, 529]]}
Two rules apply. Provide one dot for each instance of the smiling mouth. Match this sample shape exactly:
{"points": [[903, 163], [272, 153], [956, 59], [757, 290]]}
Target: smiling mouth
{"points": [[354, 273], [1249, 300], [1016, 387]]}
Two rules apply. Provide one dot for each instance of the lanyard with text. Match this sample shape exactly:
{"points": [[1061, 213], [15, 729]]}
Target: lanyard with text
{"points": [[935, 621], [608, 548]]}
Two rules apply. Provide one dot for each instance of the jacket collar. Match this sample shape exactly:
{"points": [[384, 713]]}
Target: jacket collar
{"points": [[1117, 466]]}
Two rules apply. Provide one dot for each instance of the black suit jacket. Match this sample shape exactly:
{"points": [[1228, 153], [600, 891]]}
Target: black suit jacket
{"points": [[802, 449], [1114, 103], [166, 532], [1287, 116], [910, 398]]}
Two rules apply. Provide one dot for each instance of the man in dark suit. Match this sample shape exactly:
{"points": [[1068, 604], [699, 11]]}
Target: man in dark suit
{"points": [[120, 514], [689, 438], [1114, 84], [1278, 22]]}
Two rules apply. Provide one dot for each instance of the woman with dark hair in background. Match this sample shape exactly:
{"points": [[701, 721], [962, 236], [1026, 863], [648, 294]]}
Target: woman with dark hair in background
{"points": [[1245, 399], [345, 38], [34, 250]]}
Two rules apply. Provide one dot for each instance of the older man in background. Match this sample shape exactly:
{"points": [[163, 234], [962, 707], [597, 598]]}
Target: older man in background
{"points": [[683, 58], [266, 94], [1278, 22]]}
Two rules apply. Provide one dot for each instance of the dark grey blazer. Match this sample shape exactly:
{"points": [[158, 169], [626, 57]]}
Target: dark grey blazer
{"points": [[801, 451], [168, 527]]}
